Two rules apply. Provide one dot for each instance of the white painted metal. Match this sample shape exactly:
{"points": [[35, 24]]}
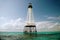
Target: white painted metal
{"points": [[30, 17]]}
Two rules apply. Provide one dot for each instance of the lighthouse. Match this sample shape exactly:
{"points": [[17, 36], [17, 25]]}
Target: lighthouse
{"points": [[30, 26]]}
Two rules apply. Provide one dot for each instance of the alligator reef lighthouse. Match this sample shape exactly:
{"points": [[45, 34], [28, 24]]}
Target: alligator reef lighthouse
{"points": [[30, 27]]}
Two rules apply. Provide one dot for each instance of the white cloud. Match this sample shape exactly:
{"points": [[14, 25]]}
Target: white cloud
{"points": [[48, 26], [2, 17], [13, 25], [16, 25], [54, 18]]}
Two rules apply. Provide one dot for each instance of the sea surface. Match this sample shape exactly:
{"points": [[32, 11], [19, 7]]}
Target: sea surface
{"points": [[29, 36]]}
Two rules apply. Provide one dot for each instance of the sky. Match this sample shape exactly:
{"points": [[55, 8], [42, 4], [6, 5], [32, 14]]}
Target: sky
{"points": [[13, 14]]}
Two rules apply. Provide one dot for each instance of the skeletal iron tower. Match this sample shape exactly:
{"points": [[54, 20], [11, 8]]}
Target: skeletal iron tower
{"points": [[30, 25]]}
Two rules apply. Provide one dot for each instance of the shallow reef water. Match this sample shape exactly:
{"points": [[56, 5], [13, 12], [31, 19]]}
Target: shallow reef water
{"points": [[32, 36]]}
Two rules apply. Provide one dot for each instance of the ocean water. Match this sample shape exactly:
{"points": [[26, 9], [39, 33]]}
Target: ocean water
{"points": [[29, 36]]}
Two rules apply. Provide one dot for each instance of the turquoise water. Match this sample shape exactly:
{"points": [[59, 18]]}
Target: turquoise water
{"points": [[36, 36]]}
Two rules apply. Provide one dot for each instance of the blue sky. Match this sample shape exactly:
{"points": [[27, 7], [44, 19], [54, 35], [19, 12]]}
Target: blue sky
{"points": [[43, 10]]}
